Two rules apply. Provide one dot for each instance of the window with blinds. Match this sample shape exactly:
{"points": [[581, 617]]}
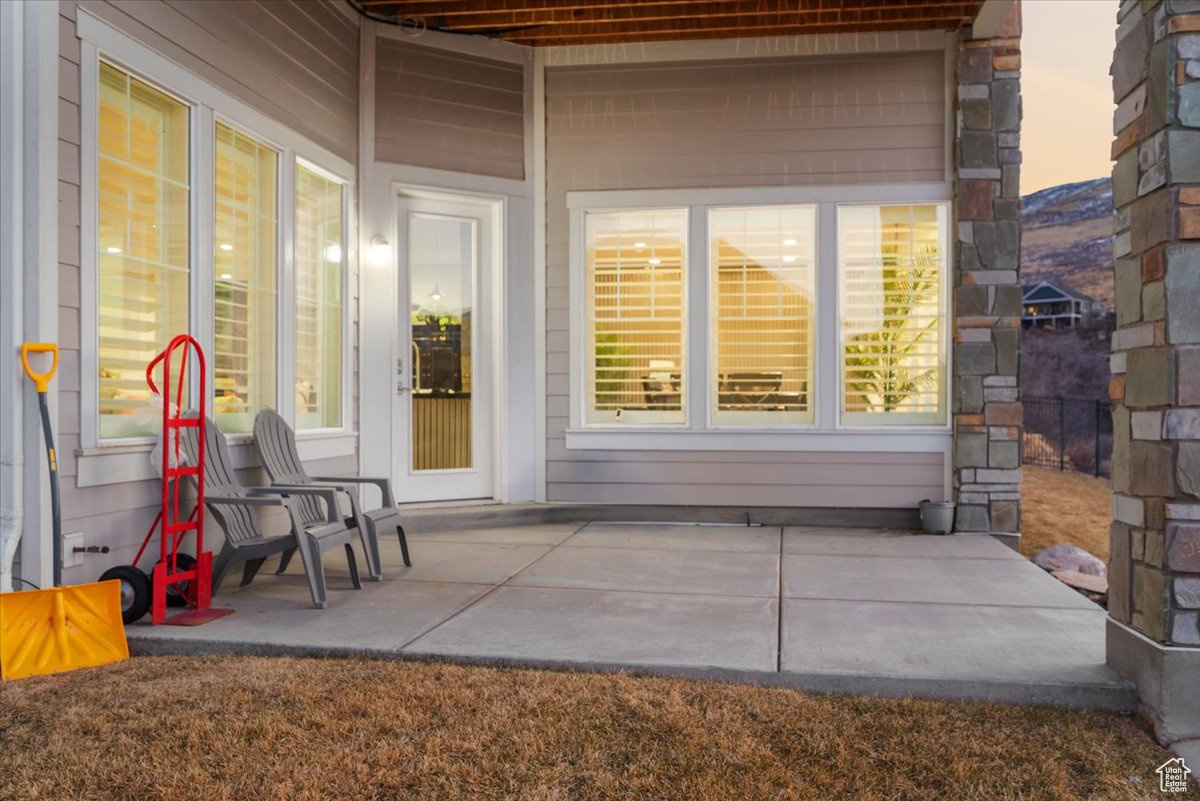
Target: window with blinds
{"points": [[635, 310], [320, 260], [142, 239], [892, 269], [245, 273], [762, 282]]}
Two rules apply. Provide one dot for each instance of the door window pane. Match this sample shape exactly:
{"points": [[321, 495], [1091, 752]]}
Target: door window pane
{"points": [[763, 265], [441, 294], [635, 310], [893, 272], [142, 239], [319, 270], [245, 275]]}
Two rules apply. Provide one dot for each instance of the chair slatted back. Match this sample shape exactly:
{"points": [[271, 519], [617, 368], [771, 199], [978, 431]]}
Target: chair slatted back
{"points": [[276, 444], [240, 523]]}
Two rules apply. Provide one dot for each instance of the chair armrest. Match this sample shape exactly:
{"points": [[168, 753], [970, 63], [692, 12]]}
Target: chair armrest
{"points": [[384, 484], [329, 494], [238, 500]]}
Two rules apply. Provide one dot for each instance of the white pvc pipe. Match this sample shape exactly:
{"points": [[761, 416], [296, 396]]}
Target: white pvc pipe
{"points": [[12, 117]]}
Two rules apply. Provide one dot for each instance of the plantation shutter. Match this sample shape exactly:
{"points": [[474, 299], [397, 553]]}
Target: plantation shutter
{"points": [[245, 278], [763, 263], [635, 315], [892, 267], [142, 239], [319, 273]]}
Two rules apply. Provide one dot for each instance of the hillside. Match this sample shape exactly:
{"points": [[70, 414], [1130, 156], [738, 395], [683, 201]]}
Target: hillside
{"points": [[1066, 237]]}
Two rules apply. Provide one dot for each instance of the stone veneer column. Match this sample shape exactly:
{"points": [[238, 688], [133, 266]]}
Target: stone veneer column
{"points": [[1154, 562], [987, 290]]}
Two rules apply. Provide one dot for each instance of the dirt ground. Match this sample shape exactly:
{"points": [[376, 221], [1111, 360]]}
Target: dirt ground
{"points": [[214, 728], [1065, 507]]}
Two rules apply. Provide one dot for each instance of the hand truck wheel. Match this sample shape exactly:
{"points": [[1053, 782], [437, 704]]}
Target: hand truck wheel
{"points": [[179, 595], [135, 591]]}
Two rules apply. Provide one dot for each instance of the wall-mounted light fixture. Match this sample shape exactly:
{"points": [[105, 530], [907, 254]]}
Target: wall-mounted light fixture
{"points": [[379, 253]]}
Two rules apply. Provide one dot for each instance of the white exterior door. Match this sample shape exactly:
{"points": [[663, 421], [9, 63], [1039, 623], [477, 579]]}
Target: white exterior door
{"points": [[444, 387]]}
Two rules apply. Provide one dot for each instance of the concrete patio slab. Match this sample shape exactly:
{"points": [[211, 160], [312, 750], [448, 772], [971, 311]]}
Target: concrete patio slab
{"points": [[650, 570], [276, 611], [450, 562], [894, 543], [741, 539], [856, 611], [583, 627], [974, 649], [946, 581], [547, 534]]}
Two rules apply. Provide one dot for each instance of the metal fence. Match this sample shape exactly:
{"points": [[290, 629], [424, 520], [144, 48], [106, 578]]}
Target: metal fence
{"points": [[1068, 434]]}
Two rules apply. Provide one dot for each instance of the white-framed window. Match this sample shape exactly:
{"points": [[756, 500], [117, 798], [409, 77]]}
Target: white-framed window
{"points": [[141, 246], [892, 293], [762, 291], [320, 288], [191, 222], [818, 312], [245, 278], [636, 316]]}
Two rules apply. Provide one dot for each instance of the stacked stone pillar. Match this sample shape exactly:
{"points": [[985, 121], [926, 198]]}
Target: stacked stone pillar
{"points": [[987, 291], [1154, 563]]}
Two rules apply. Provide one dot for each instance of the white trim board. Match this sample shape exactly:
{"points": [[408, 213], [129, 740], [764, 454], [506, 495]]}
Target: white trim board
{"points": [[858, 441], [600, 200]]}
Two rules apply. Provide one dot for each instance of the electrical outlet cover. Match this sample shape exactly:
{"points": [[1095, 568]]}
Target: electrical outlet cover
{"points": [[70, 542]]}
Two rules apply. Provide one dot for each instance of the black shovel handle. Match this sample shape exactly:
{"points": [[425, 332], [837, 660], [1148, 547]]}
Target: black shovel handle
{"points": [[42, 382]]}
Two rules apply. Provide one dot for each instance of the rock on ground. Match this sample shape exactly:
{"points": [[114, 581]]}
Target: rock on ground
{"points": [[1069, 557]]}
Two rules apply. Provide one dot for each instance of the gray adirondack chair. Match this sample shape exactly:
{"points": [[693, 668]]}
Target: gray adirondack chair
{"points": [[276, 444], [235, 508]]}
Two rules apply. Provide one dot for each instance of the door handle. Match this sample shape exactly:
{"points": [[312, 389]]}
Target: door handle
{"points": [[400, 387]]}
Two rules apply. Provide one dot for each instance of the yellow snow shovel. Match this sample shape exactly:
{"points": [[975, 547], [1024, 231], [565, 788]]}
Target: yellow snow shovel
{"points": [[61, 628]]}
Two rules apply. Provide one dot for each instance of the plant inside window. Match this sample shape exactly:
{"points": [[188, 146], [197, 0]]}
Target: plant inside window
{"points": [[887, 364]]}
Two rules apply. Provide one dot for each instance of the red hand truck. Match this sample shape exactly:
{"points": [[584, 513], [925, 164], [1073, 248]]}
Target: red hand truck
{"points": [[190, 578]]}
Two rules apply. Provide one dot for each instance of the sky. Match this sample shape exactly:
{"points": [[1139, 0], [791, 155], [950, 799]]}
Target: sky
{"points": [[1066, 133]]}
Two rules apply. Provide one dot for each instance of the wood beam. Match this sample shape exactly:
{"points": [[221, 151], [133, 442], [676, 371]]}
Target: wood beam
{"points": [[778, 12], [708, 29]]}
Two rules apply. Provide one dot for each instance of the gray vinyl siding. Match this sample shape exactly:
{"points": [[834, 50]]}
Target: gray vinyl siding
{"points": [[294, 61], [870, 119], [448, 111]]}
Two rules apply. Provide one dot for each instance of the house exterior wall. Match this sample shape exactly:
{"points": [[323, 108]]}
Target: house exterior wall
{"points": [[853, 118], [449, 111], [987, 294], [295, 62]]}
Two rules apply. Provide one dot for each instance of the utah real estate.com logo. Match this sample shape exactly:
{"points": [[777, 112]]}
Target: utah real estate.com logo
{"points": [[1172, 776]]}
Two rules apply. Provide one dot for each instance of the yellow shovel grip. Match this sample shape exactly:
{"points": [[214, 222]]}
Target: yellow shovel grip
{"points": [[40, 380]]}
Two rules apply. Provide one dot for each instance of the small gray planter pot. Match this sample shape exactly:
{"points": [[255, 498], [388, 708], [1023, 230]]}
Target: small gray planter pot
{"points": [[937, 517]]}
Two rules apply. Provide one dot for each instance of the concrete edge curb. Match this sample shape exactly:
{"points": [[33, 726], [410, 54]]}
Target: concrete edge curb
{"points": [[1114, 698]]}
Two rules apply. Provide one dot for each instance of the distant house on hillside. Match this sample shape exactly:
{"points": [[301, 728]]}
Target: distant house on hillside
{"points": [[1047, 305]]}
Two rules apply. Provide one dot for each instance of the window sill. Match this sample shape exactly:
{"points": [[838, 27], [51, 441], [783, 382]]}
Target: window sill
{"points": [[930, 440], [121, 464]]}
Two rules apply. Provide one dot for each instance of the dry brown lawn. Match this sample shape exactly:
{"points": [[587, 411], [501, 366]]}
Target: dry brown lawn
{"points": [[240, 728], [1068, 507]]}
